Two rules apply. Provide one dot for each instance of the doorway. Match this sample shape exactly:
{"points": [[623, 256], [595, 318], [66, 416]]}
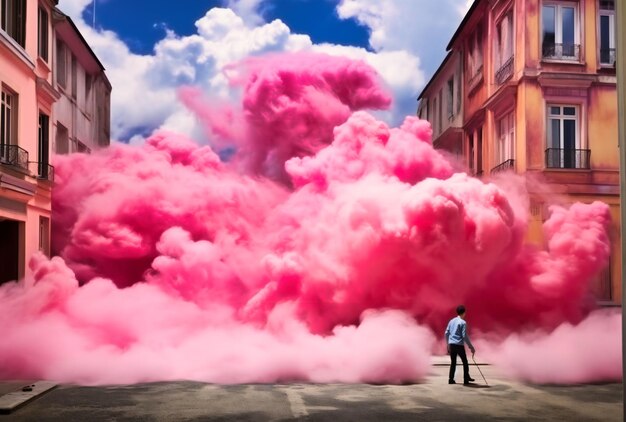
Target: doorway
{"points": [[9, 250]]}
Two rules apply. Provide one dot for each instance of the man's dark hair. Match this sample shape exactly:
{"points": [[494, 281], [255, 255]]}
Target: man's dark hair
{"points": [[460, 310]]}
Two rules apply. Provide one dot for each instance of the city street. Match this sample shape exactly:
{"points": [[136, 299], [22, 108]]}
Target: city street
{"points": [[433, 400]]}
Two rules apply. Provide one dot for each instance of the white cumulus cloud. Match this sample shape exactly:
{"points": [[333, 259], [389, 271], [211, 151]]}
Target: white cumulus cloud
{"points": [[145, 87], [420, 27]]}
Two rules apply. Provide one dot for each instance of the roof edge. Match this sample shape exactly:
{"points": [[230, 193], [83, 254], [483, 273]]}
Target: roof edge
{"points": [[432, 78], [462, 24]]}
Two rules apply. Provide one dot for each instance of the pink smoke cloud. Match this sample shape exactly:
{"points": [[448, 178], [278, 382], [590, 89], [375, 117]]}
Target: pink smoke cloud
{"points": [[588, 352], [178, 265], [100, 334], [291, 103]]}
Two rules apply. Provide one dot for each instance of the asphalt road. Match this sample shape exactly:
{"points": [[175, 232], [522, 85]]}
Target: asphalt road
{"points": [[433, 400]]}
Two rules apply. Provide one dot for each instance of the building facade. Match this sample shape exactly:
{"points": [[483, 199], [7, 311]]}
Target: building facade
{"points": [[540, 99], [441, 103], [82, 113], [28, 109]]}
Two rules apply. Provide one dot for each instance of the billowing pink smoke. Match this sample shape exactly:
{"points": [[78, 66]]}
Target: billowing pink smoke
{"points": [[290, 107], [193, 269]]}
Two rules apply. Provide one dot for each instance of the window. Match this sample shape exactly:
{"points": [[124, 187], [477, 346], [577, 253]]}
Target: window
{"points": [[563, 138], [503, 49], [61, 65], [83, 148], [470, 150], [74, 77], [13, 19], [475, 57], [450, 98], [8, 123], [43, 146], [560, 31], [434, 117], [88, 85], [607, 32], [44, 235], [423, 109], [62, 140], [458, 93], [42, 38], [440, 111], [505, 148], [479, 152]]}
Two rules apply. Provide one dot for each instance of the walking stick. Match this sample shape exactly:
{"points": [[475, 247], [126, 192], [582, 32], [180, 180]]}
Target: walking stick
{"points": [[478, 367]]}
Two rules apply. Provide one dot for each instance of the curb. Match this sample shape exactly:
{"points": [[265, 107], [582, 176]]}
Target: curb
{"points": [[15, 399]]}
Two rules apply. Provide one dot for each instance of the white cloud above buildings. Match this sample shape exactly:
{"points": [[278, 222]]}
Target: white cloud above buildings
{"points": [[145, 87], [420, 27]]}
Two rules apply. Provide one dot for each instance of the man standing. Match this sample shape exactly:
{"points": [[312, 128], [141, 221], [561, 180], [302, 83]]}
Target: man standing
{"points": [[456, 336]]}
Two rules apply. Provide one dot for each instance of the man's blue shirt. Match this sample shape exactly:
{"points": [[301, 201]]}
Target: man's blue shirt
{"points": [[456, 333]]}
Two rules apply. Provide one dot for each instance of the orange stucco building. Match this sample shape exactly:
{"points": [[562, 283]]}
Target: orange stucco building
{"points": [[40, 46], [540, 98]]}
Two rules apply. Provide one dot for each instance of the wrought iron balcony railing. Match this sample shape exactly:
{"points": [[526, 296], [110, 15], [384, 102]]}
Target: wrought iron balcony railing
{"points": [[607, 56], [504, 166], [568, 158], [561, 51], [43, 171], [13, 155], [505, 71]]}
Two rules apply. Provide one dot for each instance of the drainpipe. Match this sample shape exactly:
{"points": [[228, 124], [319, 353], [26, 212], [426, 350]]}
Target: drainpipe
{"points": [[620, 14]]}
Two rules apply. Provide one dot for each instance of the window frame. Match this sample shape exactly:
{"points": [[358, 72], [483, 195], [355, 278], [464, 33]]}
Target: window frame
{"points": [[507, 139], [581, 141], [61, 64], [558, 30], [43, 145], [612, 34], [44, 235], [13, 108], [475, 53], [74, 77], [14, 26], [43, 37], [562, 117], [450, 97], [499, 59]]}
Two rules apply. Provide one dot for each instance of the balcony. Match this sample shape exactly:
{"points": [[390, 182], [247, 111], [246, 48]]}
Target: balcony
{"points": [[607, 57], [568, 158], [565, 52], [505, 166], [505, 71], [43, 171], [15, 156]]}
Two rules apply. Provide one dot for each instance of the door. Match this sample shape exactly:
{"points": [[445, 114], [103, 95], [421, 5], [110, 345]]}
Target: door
{"points": [[9, 250]]}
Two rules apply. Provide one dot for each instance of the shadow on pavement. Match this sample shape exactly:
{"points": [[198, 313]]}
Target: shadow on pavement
{"points": [[476, 386]]}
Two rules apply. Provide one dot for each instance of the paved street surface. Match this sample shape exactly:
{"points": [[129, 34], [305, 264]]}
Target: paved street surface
{"points": [[434, 400]]}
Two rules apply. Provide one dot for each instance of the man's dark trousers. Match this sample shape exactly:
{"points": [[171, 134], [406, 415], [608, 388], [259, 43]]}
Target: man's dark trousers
{"points": [[458, 350]]}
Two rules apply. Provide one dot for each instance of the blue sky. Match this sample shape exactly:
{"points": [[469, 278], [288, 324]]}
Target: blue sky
{"points": [[143, 21], [151, 48]]}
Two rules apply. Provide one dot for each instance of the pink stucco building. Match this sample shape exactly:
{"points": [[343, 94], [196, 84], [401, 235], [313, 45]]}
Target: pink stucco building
{"points": [[31, 32]]}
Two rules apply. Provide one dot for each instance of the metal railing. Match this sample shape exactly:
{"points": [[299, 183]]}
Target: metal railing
{"points": [[561, 51], [568, 158], [13, 155], [607, 56], [43, 171], [505, 71], [504, 166]]}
